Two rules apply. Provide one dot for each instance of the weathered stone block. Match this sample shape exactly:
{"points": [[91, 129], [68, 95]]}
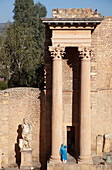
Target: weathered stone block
{"points": [[99, 145], [106, 143]]}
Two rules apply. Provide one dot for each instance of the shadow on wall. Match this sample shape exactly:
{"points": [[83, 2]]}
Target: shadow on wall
{"points": [[48, 95], [42, 132], [73, 60], [17, 148], [42, 149]]}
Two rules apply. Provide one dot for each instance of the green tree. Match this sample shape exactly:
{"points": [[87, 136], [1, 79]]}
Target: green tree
{"points": [[22, 53], [17, 54], [28, 14], [24, 11]]}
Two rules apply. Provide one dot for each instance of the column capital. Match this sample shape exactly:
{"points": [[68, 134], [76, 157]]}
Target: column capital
{"points": [[57, 52], [85, 53]]}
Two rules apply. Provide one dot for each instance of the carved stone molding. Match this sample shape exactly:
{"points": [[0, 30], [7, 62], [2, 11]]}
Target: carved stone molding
{"points": [[57, 52], [85, 53]]}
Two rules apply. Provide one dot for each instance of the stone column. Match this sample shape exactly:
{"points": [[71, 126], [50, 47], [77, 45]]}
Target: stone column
{"points": [[57, 54], [85, 115]]}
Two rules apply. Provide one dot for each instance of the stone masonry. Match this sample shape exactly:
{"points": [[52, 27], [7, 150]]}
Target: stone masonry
{"points": [[101, 76], [74, 13], [16, 104]]}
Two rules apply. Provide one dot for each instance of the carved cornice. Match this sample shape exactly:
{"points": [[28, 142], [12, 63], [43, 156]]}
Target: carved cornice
{"points": [[57, 52], [85, 53]]}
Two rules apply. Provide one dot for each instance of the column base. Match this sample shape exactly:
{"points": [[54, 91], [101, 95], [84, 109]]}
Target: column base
{"points": [[85, 160], [26, 167], [54, 159]]}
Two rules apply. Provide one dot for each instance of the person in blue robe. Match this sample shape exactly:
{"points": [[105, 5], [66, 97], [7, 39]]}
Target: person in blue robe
{"points": [[61, 151], [65, 154]]}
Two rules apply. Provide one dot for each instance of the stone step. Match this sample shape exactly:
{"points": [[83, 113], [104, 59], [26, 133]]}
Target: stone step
{"points": [[77, 167]]}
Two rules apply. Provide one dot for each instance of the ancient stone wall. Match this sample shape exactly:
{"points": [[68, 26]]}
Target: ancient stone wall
{"points": [[101, 80], [16, 104]]}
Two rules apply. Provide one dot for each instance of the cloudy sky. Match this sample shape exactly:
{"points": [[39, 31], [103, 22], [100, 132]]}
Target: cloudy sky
{"points": [[103, 6]]}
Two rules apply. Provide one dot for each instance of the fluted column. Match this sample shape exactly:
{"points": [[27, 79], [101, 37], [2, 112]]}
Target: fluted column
{"points": [[57, 54], [85, 115]]}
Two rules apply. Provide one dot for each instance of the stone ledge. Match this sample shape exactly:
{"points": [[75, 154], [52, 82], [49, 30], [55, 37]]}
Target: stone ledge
{"points": [[77, 167]]}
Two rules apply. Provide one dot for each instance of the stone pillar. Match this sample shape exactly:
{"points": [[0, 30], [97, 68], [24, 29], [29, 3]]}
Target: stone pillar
{"points": [[57, 54], [99, 145], [85, 115]]}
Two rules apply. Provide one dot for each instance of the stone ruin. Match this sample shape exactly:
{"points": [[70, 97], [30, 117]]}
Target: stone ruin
{"points": [[75, 13]]}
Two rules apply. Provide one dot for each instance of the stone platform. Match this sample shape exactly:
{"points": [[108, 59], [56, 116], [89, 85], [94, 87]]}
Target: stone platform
{"points": [[99, 163], [78, 167]]}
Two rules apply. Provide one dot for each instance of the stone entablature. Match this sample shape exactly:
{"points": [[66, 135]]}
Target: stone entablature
{"points": [[74, 13], [71, 31]]}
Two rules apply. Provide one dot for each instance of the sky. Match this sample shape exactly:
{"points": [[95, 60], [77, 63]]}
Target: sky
{"points": [[103, 6]]}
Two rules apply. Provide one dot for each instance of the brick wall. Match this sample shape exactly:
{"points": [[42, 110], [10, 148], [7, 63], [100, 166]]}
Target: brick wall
{"points": [[101, 80], [16, 104]]}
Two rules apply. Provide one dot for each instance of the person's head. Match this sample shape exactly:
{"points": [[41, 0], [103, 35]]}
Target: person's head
{"points": [[25, 121], [62, 144]]}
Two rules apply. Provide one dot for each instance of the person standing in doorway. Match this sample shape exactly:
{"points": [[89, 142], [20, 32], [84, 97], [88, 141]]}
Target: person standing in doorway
{"points": [[65, 154], [61, 152]]}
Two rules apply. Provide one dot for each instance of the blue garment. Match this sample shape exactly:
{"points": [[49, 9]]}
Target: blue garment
{"points": [[63, 152]]}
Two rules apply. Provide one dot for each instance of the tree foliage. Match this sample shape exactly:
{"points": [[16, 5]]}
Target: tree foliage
{"points": [[3, 85], [23, 46]]}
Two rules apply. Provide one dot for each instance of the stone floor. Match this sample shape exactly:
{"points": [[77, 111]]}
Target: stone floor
{"points": [[97, 160], [79, 167], [99, 163], [100, 160]]}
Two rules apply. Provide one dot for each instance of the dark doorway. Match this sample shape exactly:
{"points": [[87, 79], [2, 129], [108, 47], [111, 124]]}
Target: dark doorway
{"points": [[71, 140]]}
